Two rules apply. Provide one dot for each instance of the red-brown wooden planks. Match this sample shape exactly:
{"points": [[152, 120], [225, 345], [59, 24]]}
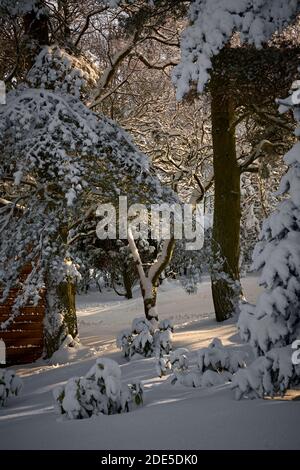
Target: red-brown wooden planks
{"points": [[24, 335]]}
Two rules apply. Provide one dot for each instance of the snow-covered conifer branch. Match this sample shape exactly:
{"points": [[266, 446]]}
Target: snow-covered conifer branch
{"points": [[212, 24]]}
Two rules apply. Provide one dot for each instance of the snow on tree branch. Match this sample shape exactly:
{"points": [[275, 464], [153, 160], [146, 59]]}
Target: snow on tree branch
{"points": [[212, 24]]}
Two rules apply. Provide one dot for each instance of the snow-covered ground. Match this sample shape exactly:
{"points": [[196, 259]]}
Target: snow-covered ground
{"points": [[173, 417]]}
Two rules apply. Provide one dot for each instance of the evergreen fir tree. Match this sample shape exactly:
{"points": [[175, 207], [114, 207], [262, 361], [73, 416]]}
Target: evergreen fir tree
{"points": [[273, 324]]}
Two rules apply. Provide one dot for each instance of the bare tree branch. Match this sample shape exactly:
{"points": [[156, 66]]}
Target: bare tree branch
{"points": [[154, 66], [110, 71], [87, 23]]}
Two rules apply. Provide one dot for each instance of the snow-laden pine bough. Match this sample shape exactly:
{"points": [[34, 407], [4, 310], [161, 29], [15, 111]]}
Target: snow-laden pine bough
{"points": [[10, 385], [100, 391], [212, 24]]}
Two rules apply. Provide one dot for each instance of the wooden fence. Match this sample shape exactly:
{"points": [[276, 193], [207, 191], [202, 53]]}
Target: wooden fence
{"points": [[24, 336]]}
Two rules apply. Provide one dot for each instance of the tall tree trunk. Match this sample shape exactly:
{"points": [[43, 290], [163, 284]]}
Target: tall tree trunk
{"points": [[37, 32], [127, 280], [61, 319], [63, 9], [150, 303], [66, 292], [127, 283], [227, 211]]}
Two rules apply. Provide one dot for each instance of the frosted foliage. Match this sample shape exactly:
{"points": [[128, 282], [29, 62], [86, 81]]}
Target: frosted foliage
{"points": [[268, 375], [214, 365], [47, 134], [179, 358], [212, 24], [273, 323], [100, 391], [146, 338], [218, 358], [140, 324], [10, 384], [56, 69]]}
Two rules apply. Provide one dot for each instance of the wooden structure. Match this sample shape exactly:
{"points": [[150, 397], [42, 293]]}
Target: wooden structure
{"points": [[24, 338]]}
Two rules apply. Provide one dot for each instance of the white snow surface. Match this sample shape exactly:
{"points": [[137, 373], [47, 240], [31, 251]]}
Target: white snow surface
{"points": [[173, 417]]}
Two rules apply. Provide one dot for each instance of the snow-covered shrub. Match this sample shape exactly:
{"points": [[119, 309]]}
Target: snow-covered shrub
{"points": [[99, 391], [124, 342], [146, 339], [214, 365], [220, 359], [10, 384], [182, 368], [188, 265], [162, 366], [184, 371], [211, 378], [191, 278], [138, 340], [177, 361], [267, 375], [273, 324], [163, 337]]}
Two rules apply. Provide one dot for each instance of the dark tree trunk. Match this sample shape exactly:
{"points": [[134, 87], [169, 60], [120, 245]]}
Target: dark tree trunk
{"points": [[66, 295], [66, 292], [227, 211], [150, 304], [63, 9], [37, 32], [60, 320], [127, 280]]}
